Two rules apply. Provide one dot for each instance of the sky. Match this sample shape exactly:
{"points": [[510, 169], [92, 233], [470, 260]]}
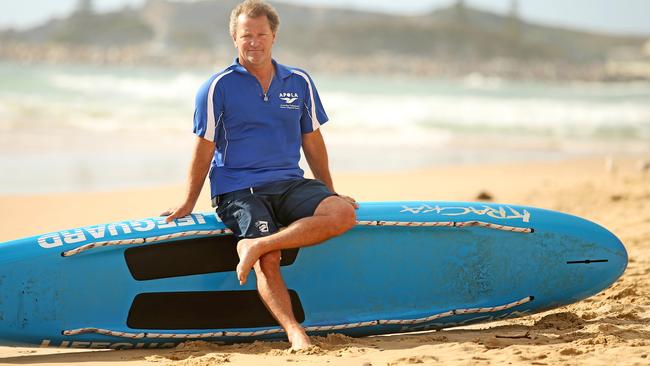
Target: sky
{"points": [[614, 16]]}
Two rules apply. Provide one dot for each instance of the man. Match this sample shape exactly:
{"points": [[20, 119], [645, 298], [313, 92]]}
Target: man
{"points": [[251, 120]]}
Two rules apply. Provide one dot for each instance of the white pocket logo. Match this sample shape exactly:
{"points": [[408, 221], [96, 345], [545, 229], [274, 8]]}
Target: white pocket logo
{"points": [[289, 98], [262, 226]]}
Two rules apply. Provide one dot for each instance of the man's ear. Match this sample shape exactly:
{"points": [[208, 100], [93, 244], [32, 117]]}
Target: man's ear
{"points": [[234, 39]]}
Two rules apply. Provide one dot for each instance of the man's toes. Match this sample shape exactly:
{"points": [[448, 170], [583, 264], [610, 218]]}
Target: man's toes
{"points": [[240, 275]]}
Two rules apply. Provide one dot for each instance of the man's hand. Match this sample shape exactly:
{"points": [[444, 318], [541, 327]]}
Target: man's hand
{"points": [[178, 212], [350, 200]]}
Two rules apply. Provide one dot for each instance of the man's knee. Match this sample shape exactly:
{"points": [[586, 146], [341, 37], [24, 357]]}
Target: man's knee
{"points": [[270, 263], [344, 215], [348, 217]]}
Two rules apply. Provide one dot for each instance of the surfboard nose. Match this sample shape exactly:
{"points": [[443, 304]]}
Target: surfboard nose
{"points": [[616, 254], [599, 261]]}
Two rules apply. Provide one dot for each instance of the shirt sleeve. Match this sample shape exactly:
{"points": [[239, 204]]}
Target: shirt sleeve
{"points": [[208, 110], [313, 115]]}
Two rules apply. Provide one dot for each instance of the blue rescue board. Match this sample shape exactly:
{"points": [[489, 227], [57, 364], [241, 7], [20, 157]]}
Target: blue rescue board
{"points": [[406, 266]]}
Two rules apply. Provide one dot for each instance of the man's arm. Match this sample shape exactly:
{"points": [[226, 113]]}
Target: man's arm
{"points": [[200, 165], [315, 151]]}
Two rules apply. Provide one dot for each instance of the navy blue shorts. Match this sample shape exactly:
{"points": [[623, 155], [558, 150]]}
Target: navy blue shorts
{"points": [[261, 211]]}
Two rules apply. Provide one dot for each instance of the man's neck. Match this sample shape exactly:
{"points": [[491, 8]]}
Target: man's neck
{"points": [[259, 71]]}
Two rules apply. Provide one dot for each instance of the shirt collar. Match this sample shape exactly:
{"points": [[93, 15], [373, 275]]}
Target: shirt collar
{"points": [[280, 70]]}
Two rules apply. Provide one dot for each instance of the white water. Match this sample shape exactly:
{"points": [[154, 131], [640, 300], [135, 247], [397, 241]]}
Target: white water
{"points": [[94, 120]]}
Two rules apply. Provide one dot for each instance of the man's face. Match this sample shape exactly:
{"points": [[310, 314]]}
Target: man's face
{"points": [[253, 39]]}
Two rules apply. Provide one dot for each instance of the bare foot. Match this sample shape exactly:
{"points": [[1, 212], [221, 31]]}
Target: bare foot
{"points": [[298, 339], [248, 255]]}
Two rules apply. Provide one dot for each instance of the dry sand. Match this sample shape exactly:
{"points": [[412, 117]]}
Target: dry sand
{"points": [[610, 328]]}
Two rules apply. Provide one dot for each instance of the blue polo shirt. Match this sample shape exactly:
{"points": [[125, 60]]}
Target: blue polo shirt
{"points": [[258, 137]]}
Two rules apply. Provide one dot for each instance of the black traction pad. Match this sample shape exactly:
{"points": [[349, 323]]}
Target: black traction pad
{"points": [[189, 257], [204, 310]]}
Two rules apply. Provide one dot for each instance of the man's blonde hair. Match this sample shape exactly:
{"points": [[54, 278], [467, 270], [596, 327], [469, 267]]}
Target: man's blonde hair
{"points": [[254, 9]]}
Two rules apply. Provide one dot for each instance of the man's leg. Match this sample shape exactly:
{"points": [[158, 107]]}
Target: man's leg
{"points": [[332, 217], [275, 295], [242, 215]]}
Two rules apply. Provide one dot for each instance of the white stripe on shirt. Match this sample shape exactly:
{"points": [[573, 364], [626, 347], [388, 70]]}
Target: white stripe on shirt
{"points": [[315, 124], [211, 124]]}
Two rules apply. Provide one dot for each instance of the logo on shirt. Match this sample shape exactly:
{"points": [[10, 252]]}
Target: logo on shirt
{"points": [[289, 99]]}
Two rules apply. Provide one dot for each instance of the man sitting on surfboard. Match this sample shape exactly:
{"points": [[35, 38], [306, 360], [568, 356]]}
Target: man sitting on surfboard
{"points": [[251, 120]]}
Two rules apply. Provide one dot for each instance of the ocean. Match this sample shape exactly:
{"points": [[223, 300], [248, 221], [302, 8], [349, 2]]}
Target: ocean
{"points": [[87, 128]]}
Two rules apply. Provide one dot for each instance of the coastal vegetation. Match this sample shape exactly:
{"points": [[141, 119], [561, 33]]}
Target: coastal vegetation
{"points": [[454, 41]]}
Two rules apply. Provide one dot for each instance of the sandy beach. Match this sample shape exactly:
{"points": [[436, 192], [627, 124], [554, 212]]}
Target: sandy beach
{"points": [[612, 327]]}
